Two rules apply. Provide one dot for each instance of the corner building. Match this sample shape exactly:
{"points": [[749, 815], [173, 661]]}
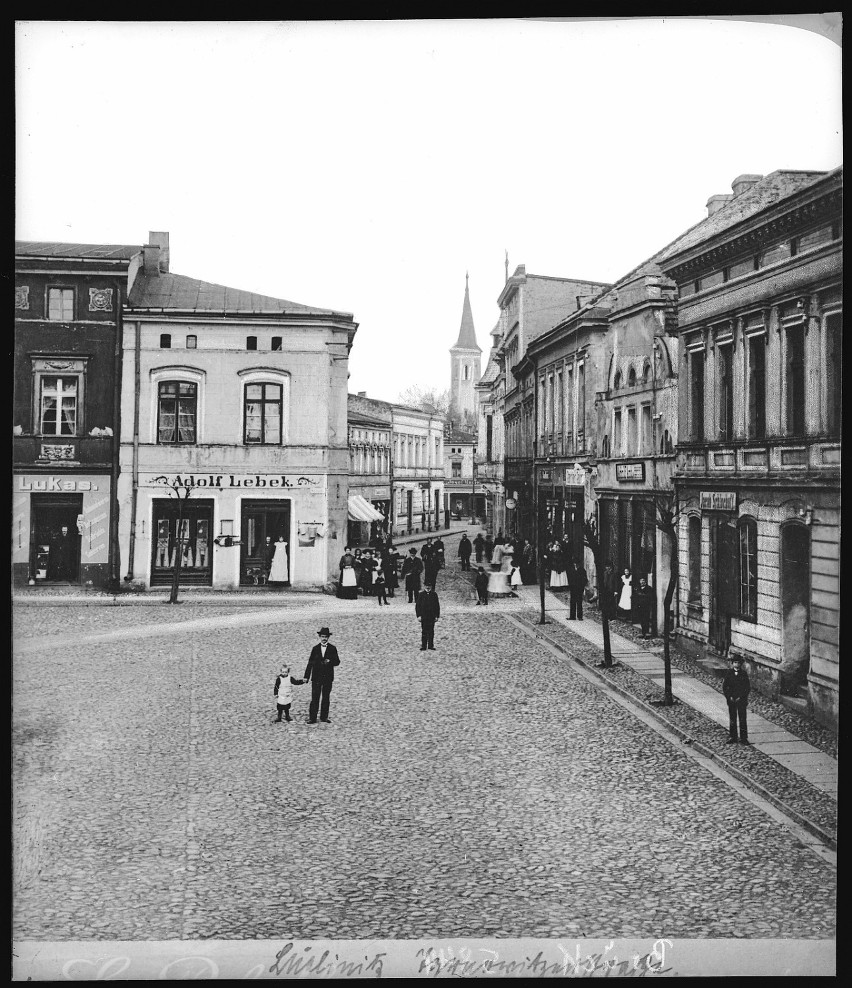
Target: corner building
{"points": [[240, 400], [760, 327]]}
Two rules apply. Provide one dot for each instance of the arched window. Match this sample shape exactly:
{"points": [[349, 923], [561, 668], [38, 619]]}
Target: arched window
{"points": [[631, 377], [646, 372], [616, 384], [666, 442], [605, 446], [747, 530], [266, 402], [694, 552]]}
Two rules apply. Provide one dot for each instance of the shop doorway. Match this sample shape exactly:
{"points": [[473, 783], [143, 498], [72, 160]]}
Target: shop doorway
{"points": [[55, 539], [724, 601], [261, 520], [795, 607], [193, 540]]}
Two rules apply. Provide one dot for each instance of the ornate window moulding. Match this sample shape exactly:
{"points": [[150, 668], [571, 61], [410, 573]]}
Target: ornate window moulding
{"points": [[100, 299], [22, 296]]}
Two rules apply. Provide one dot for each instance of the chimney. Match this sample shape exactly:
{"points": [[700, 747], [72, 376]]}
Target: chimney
{"points": [[362, 394], [161, 240], [715, 203], [743, 182], [151, 259]]}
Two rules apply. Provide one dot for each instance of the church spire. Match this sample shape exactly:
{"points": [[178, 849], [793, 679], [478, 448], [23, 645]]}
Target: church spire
{"points": [[467, 334]]}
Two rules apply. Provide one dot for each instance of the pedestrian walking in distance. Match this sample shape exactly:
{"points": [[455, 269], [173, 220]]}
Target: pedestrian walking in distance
{"points": [[479, 546], [736, 687], [412, 567], [428, 610], [380, 588], [481, 584], [284, 692], [465, 550], [577, 582], [319, 672]]}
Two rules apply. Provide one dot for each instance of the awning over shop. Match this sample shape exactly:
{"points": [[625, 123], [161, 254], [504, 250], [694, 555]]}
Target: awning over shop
{"points": [[360, 509]]}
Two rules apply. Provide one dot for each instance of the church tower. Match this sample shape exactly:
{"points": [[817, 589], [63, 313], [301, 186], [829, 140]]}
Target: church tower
{"points": [[465, 358]]}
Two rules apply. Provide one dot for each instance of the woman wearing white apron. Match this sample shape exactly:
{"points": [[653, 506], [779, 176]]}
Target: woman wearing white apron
{"points": [[279, 571], [625, 600]]}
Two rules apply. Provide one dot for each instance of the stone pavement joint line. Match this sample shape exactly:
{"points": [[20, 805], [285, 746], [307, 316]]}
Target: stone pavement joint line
{"points": [[820, 770], [811, 836]]}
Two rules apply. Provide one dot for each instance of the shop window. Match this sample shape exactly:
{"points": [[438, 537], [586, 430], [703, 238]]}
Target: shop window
{"points": [[191, 342], [182, 531], [263, 408], [748, 569], [694, 554], [58, 405], [165, 341], [60, 304], [177, 410], [834, 372], [696, 395], [726, 393], [795, 380], [757, 387]]}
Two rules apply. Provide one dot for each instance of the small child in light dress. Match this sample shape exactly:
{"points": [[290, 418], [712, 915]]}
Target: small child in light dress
{"points": [[284, 693], [380, 588]]}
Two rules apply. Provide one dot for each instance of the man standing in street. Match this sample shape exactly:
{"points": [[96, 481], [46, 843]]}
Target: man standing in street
{"points": [[412, 567], [428, 610], [642, 606], [479, 546], [465, 549], [320, 673], [736, 687], [577, 581]]}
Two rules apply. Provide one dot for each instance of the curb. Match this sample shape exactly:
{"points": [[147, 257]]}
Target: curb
{"points": [[813, 828]]}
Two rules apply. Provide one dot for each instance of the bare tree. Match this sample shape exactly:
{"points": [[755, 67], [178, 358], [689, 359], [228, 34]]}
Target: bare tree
{"points": [[426, 399], [175, 487], [667, 516], [592, 540]]}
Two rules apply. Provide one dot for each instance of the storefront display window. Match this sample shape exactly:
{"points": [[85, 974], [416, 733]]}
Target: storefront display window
{"points": [[192, 540]]}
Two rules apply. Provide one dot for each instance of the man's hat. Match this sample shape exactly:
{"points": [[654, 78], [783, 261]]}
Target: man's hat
{"points": [[324, 631], [413, 551]]}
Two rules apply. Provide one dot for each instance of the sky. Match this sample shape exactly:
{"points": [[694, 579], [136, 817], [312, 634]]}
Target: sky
{"points": [[368, 166]]}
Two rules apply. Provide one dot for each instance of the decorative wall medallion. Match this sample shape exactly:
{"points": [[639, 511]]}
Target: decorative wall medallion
{"points": [[22, 296], [52, 452], [100, 300]]}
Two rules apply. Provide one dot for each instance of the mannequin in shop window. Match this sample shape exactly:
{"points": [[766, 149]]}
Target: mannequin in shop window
{"points": [[279, 571]]}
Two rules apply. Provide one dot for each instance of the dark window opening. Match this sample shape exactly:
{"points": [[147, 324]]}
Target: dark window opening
{"points": [[834, 374], [695, 559], [726, 393], [696, 394], [251, 343], [489, 436], [631, 378], [165, 341], [757, 387], [276, 342], [796, 380]]}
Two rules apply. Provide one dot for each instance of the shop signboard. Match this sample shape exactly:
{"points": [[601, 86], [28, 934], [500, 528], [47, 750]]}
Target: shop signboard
{"points": [[718, 500], [229, 481], [575, 476], [630, 471]]}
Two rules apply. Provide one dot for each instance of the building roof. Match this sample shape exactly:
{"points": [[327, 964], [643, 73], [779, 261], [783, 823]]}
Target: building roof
{"points": [[176, 291], [356, 418], [769, 190], [457, 435], [467, 334], [109, 252]]}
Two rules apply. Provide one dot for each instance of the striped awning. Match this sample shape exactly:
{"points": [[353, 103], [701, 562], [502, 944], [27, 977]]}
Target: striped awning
{"points": [[360, 509]]}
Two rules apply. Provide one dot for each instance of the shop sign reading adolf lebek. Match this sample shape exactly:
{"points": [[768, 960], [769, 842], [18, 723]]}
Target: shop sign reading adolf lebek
{"points": [[229, 481]]}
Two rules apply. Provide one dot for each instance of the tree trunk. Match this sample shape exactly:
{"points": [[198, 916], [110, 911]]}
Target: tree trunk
{"points": [[173, 597]]}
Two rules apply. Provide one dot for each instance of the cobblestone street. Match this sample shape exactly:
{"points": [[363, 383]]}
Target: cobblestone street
{"points": [[484, 789]]}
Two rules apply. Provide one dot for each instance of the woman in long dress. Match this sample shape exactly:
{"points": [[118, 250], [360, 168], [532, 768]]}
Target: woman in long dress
{"points": [[625, 600], [558, 576], [390, 558], [279, 571], [348, 584]]}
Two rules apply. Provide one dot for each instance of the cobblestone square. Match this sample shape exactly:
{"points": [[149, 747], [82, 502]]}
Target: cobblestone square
{"points": [[484, 789]]}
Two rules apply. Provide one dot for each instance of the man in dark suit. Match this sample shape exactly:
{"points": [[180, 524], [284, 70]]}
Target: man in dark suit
{"points": [[736, 687], [412, 567], [465, 550], [320, 673], [428, 610], [577, 581]]}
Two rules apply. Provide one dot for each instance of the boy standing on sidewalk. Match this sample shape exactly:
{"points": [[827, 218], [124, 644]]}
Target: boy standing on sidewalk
{"points": [[736, 687], [481, 586], [379, 588]]}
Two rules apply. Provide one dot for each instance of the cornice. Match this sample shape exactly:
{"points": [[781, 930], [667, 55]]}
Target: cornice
{"points": [[711, 253]]}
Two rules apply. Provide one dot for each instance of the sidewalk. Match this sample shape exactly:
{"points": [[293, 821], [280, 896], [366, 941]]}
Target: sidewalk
{"points": [[799, 757]]}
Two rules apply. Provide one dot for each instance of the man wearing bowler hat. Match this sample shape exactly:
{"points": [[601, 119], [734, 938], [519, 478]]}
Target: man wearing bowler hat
{"points": [[320, 672]]}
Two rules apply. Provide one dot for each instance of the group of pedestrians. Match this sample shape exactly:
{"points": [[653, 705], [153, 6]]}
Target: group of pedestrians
{"points": [[491, 551], [626, 598]]}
